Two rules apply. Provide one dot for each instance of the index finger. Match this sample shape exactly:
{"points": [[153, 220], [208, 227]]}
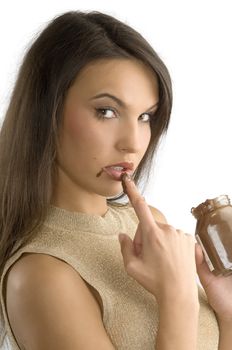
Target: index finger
{"points": [[139, 204]]}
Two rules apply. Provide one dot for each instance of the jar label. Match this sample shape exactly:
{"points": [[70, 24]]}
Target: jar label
{"points": [[207, 259]]}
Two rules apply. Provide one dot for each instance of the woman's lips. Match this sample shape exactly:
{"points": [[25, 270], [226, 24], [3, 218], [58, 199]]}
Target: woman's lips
{"points": [[115, 171], [116, 174]]}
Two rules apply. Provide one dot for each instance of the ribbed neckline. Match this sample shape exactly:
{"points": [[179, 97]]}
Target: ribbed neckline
{"points": [[107, 224]]}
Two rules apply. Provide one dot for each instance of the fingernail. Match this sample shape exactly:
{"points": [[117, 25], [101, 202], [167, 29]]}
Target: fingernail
{"points": [[125, 178]]}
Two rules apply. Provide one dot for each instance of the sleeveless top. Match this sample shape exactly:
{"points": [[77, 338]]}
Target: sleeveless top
{"points": [[89, 243]]}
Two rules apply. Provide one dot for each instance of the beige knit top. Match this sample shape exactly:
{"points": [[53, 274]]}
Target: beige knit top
{"points": [[89, 243]]}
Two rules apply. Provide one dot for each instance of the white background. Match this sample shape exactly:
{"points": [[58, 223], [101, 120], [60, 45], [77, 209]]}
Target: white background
{"points": [[194, 39]]}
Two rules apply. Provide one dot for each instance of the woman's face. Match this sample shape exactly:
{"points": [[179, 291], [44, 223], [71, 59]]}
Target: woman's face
{"points": [[98, 131]]}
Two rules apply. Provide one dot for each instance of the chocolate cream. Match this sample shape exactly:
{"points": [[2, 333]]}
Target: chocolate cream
{"points": [[214, 233]]}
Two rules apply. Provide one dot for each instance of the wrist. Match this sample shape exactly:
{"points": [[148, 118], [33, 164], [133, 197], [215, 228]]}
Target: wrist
{"points": [[184, 302], [225, 325], [224, 321], [174, 317], [225, 334], [179, 310]]}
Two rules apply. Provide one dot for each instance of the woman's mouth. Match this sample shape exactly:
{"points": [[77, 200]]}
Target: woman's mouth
{"points": [[116, 171]]}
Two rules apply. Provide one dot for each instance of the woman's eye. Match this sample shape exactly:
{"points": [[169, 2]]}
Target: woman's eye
{"points": [[109, 113], [105, 113], [146, 117]]}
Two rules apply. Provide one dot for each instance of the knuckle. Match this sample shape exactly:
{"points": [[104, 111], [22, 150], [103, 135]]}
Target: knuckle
{"points": [[170, 229], [178, 230], [150, 230], [190, 237], [130, 267], [155, 238], [152, 233]]}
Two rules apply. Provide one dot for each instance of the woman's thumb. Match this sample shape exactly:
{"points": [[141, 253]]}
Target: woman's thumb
{"points": [[203, 270]]}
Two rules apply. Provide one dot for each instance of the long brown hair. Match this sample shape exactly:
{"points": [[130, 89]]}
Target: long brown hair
{"points": [[29, 132]]}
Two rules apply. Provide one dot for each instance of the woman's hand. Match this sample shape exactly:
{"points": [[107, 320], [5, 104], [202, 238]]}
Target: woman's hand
{"points": [[160, 258], [218, 289]]}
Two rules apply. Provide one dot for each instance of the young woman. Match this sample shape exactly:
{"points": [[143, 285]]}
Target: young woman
{"points": [[78, 269]]}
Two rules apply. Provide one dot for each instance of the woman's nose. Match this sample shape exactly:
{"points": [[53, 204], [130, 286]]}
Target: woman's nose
{"points": [[129, 138]]}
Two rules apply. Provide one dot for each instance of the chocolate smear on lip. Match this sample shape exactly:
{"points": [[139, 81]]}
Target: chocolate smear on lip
{"points": [[100, 172]]}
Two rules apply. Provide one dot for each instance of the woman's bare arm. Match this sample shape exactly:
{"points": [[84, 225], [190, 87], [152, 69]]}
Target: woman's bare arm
{"points": [[51, 308]]}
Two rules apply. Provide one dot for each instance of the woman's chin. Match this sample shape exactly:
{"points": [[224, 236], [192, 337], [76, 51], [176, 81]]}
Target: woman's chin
{"points": [[113, 192]]}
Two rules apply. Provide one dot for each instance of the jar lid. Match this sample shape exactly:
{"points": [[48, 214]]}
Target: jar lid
{"points": [[210, 205]]}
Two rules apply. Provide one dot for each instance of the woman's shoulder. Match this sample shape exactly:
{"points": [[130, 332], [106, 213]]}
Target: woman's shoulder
{"points": [[158, 215]]}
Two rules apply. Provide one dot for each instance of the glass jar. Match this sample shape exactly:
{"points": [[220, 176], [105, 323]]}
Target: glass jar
{"points": [[214, 233]]}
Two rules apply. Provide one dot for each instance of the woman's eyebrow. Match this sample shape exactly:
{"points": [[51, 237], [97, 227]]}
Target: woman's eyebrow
{"points": [[117, 100]]}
